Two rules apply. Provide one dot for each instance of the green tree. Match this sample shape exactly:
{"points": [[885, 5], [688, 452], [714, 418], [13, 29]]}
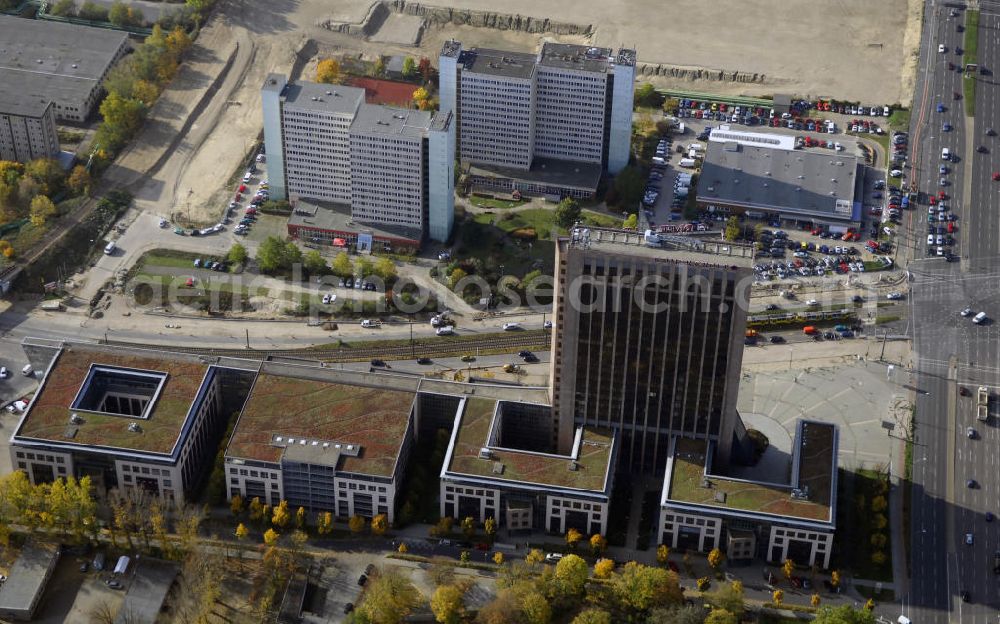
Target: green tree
{"points": [[328, 71], [639, 588], [364, 266], [122, 118], [567, 212], [629, 185], [571, 575], [237, 254], [409, 67], [592, 616], [272, 255], [47, 173], [118, 13], [64, 8], [314, 263], [342, 265], [42, 209], [389, 598], [385, 268], [93, 12], [732, 231], [456, 276], [646, 96], [729, 598], [446, 604]]}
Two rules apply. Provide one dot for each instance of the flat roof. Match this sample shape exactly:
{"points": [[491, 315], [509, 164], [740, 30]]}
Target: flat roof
{"points": [[474, 432], [499, 63], [328, 98], [389, 120], [17, 103], [52, 60], [308, 408], [309, 213], [680, 249], [48, 415], [148, 590], [27, 577], [550, 171], [763, 177], [809, 495], [578, 57]]}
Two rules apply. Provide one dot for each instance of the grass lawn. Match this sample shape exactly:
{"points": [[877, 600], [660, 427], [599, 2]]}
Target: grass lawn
{"points": [[900, 120], [268, 225], [490, 202], [969, 55], [895, 182], [486, 236], [169, 258]]}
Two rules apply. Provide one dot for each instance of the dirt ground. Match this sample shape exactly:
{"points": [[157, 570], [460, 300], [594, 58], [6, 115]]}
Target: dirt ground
{"points": [[852, 49]]}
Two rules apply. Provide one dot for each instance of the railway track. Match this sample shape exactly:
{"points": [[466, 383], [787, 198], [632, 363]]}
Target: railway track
{"points": [[396, 350]]}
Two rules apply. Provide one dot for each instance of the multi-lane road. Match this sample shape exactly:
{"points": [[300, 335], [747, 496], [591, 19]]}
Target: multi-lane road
{"points": [[951, 351]]}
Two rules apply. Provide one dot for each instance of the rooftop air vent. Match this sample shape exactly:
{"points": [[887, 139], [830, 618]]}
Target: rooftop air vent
{"points": [[720, 497], [573, 466], [134, 427], [497, 468], [485, 453], [705, 483], [75, 418]]}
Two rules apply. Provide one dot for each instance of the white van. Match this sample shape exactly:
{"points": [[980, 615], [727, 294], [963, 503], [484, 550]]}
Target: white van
{"points": [[27, 371], [652, 239], [979, 319], [110, 248], [698, 147], [370, 323], [945, 153], [687, 162], [445, 330]]}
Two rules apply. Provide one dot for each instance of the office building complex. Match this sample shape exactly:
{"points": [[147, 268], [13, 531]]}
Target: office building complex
{"points": [[27, 128], [387, 168], [650, 340], [64, 64], [546, 124], [124, 417]]}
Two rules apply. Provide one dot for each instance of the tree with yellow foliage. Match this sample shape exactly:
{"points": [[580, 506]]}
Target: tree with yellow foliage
{"points": [[356, 524], [715, 558], [598, 543], [498, 558], [603, 568], [788, 567], [403, 548], [328, 71], [815, 600], [380, 524], [271, 537], [573, 537], [300, 517], [534, 556], [236, 505], [421, 98], [777, 597], [42, 209], [281, 516], [241, 531], [662, 554], [256, 508]]}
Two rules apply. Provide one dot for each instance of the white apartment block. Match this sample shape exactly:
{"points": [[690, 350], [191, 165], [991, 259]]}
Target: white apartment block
{"points": [[325, 144], [518, 111], [27, 128], [387, 166], [497, 104]]}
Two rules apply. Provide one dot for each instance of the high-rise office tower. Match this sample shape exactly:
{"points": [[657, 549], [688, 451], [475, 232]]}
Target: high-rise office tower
{"points": [[648, 340]]}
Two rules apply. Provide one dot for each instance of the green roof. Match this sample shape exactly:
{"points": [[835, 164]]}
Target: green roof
{"points": [[373, 418], [740, 495], [48, 417], [529, 467]]}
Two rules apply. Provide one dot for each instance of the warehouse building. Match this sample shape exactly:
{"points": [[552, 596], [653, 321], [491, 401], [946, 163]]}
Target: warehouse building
{"points": [[22, 592], [769, 176], [64, 64]]}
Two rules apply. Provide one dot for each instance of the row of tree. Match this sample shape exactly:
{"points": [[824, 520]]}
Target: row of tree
{"points": [[133, 86], [119, 13], [26, 189]]}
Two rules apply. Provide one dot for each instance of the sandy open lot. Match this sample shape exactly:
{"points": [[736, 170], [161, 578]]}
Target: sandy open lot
{"points": [[852, 49]]}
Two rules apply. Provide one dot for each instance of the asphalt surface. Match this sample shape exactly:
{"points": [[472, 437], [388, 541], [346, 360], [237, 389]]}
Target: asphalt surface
{"points": [[952, 352]]}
